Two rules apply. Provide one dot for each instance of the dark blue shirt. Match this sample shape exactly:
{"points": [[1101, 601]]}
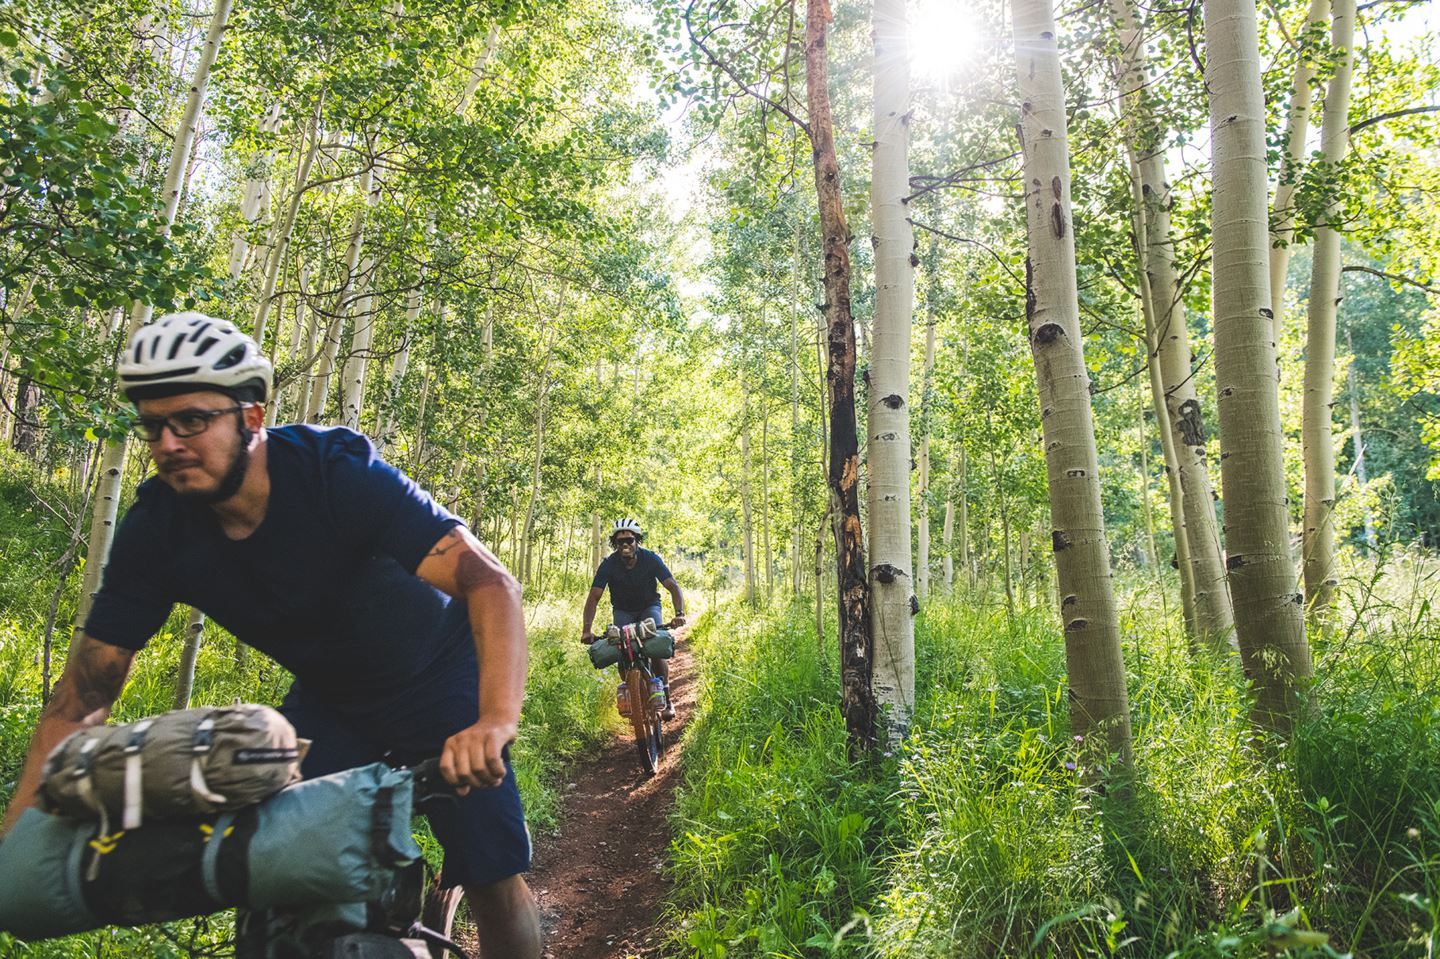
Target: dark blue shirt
{"points": [[633, 589], [325, 585]]}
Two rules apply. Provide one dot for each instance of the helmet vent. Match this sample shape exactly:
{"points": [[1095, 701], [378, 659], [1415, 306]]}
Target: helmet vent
{"points": [[175, 346], [230, 359], [199, 331], [209, 342]]}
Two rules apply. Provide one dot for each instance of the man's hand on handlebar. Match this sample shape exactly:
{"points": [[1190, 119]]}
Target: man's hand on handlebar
{"points": [[475, 756], [677, 622], [588, 637]]}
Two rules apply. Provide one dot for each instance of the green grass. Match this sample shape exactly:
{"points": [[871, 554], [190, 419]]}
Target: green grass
{"points": [[974, 837]]}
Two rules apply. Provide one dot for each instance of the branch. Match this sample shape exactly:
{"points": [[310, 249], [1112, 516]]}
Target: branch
{"points": [[1390, 116], [1393, 277], [690, 29], [923, 184], [1381, 3], [965, 239]]}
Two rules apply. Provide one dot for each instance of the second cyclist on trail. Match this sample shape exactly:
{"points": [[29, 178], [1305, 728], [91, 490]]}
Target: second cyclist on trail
{"points": [[632, 574]]}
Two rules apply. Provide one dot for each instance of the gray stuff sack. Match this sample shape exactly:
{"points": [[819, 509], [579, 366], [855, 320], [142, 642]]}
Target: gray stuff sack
{"points": [[179, 764], [334, 839]]}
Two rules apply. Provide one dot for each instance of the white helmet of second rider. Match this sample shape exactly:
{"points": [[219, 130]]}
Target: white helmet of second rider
{"points": [[627, 525], [185, 352]]}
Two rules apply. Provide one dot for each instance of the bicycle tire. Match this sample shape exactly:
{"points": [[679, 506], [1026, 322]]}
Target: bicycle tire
{"points": [[438, 914]]}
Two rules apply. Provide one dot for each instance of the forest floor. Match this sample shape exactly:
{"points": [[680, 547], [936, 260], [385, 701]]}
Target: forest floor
{"points": [[600, 880]]}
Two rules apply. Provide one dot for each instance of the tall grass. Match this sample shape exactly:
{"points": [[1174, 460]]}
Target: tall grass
{"points": [[976, 839]]}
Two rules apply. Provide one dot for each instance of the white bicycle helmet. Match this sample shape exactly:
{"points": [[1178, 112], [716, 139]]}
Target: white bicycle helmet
{"points": [[628, 525], [182, 352]]}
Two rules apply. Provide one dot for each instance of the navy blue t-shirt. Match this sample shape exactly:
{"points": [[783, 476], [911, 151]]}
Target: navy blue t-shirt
{"points": [[325, 585], [632, 589]]}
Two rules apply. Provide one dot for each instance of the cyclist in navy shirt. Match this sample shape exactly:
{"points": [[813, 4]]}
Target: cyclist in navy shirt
{"points": [[405, 635], [632, 574]]}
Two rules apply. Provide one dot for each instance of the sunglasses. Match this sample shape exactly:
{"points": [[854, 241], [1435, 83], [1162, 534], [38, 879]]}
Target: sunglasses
{"points": [[183, 424], [626, 541]]}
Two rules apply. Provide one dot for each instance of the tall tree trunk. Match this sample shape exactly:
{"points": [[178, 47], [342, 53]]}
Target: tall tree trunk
{"points": [[1157, 399], [1184, 417], [542, 397], [352, 404], [795, 441], [857, 699], [254, 197], [112, 462], [962, 518], [189, 653], [286, 226], [1297, 128], [892, 585], [1317, 415], [1099, 705], [765, 500], [1152, 554], [320, 385], [922, 480], [1357, 441], [1268, 621], [947, 537], [747, 512]]}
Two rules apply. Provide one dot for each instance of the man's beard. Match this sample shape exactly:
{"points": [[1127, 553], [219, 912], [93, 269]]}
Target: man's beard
{"points": [[230, 483]]}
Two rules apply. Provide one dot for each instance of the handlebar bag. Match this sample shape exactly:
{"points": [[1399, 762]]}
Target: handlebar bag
{"points": [[661, 645], [179, 764], [603, 654], [658, 643], [334, 839]]}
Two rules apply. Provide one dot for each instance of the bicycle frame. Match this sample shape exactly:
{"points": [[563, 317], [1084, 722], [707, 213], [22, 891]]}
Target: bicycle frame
{"points": [[645, 717]]}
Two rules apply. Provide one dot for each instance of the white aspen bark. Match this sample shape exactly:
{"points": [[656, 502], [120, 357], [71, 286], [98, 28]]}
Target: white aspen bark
{"points": [[300, 387], [1099, 703], [892, 585], [1357, 440], [112, 462], [1152, 554], [962, 515], [353, 402], [287, 225], [1268, 622], [1317, 416], [796, 581], [1297, 129], [922, 480], [320, 386], [1157, 398], [947, 538], [386, 433], [189, 653], [254, 198], [746, 507], [1213, 618], [542, 395]]}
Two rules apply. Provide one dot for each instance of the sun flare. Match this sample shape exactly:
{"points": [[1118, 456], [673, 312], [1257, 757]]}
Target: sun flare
{"points": [[944, 36]]}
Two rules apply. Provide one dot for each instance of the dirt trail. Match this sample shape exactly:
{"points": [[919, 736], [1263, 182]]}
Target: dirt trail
{"points": [[599, 882]]}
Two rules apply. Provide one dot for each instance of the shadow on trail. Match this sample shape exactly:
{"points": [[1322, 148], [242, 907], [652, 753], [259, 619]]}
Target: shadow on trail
{"points": [[599, 882]]}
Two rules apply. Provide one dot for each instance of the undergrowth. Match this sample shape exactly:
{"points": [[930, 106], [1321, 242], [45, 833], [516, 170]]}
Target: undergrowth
{"points": [[974, 837]]}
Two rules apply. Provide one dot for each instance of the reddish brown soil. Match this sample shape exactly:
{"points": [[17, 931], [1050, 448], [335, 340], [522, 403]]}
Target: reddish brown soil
{"points": [[599, 882]]}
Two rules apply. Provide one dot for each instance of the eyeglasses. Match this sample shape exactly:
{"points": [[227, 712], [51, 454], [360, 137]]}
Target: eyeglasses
{"points": [[626, 541], [183, 424]]}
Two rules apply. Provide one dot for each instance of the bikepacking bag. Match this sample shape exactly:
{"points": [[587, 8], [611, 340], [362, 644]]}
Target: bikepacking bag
{"points": [[334, 839], [176, 765], [661, 645]]}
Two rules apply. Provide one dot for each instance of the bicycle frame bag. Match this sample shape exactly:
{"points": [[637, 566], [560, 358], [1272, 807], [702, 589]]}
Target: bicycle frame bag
{"points": [[334, 839], [656, 643], [179, 764]]}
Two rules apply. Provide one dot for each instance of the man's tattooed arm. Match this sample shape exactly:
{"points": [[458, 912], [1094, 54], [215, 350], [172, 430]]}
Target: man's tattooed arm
{"points": [[94, 675]]}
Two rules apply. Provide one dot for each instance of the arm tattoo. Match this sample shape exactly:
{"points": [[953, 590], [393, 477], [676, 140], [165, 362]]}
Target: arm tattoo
{"points": [[95, 675], [450, 541]]}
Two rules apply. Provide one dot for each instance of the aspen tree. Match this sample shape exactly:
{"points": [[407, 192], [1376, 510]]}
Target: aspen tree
{"points": [[1268, 622], [1297, 129], [922, 479], [1357, 439], [1212, 615], [857, 701], [281, 245], [254, 198], [320, 387], [1317, 433], [1099, 705], [112, 463], [892, 586]]}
